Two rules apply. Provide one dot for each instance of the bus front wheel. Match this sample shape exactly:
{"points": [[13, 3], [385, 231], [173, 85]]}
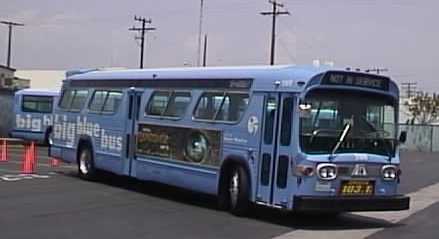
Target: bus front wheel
{"points": [[238, 191], [86, 168]]}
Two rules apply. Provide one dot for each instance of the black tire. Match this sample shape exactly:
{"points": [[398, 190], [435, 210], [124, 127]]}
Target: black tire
{"points": [[47, 137], [86, 166], [238, 191]]}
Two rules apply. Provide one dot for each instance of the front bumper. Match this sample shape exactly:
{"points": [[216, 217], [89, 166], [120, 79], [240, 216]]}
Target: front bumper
{"points": [[351, 204]]}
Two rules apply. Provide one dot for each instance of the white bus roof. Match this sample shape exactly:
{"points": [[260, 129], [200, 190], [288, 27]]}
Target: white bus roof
{"points": [[263, 77], [38, 92]]}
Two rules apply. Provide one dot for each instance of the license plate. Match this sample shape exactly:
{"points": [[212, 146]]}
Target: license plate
{"points": [[357, 188]]}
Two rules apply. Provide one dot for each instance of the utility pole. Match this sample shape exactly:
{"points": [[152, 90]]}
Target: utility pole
{"points": [[142, 30], [409, 88], [377, 70], [10, 25], [200, 32], [274, 13]]}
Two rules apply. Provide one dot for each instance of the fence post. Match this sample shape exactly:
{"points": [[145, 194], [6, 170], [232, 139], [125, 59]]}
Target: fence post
{"points": [[431, 138]]}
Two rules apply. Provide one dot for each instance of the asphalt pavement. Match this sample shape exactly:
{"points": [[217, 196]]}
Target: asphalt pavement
{"points": [[55, 203]]}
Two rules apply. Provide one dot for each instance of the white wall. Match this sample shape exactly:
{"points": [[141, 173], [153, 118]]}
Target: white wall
{"points": [[43, 79]]}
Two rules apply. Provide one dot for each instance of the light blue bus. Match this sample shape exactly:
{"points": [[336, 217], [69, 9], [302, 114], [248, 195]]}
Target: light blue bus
{"points": [[288, 137], [33, 110]]}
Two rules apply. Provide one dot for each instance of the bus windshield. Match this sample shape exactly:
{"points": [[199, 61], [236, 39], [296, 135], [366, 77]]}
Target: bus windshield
{"points": [[371, 117]]}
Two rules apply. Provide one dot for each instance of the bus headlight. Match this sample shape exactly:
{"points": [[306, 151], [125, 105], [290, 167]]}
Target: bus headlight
{"points": [[390, 172], [327, 171]]}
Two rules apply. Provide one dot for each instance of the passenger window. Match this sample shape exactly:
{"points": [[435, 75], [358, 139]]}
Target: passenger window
{"points": [[66, 99], [170, 104], [98, 100], [78, 100], [114, 98], [178, 104], [37, 104], [105, 101], [158, 102], [221, 107], [208, 105]]}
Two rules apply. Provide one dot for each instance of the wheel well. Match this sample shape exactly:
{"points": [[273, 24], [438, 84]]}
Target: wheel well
{"points": [[83, 143], [226, 167], [47, 133]]}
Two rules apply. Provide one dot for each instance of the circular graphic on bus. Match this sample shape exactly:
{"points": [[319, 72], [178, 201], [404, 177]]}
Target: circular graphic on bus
{"points": [[197, 147]]}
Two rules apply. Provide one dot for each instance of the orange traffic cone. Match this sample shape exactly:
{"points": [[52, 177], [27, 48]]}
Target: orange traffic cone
{"points": [[4, 151], [28, 166], [54, 162]]}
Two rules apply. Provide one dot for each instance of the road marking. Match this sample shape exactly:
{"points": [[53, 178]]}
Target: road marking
{"points": [[420, 200], [44, 165], [18, 177]]}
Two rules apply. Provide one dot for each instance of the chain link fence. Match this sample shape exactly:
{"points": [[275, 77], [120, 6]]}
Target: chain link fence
{"points": [[421, 138]]}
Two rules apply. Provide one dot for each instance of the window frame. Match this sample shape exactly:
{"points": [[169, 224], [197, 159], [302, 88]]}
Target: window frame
{"points": [[171, 93], [225, 93]]}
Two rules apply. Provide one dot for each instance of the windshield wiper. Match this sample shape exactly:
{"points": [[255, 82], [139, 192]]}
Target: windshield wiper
{"points": [[343, 135]]}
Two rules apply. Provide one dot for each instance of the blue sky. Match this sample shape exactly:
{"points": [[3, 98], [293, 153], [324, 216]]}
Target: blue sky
{"points": [[401, 35]]}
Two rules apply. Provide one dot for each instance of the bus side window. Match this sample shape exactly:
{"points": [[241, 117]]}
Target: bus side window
{"points": [[38, 104], [221, 107], [97, 101], [208, 105], [177, 104], [78, 100], [112, 102], [105, 101], [66, 99], [233, 107], [157, 103]]}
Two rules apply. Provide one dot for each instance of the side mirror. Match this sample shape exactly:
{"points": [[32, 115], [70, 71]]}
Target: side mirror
{"points": [[403, 137]]}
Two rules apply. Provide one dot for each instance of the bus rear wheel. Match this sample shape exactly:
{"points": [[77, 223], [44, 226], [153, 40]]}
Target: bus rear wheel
{"points": [[238, 191], [86, 168]]}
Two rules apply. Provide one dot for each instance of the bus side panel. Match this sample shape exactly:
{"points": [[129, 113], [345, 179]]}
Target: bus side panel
{"points": [[30, 126], [193, 178], [242, 140], [108, 142]]}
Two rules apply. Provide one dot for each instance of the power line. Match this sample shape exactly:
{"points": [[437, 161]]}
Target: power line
{"points": [[274, 13], [10, 25], [142, 30]]}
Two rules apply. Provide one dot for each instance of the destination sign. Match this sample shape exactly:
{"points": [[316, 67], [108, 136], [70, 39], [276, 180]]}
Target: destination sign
{"points": [[356, 79]]}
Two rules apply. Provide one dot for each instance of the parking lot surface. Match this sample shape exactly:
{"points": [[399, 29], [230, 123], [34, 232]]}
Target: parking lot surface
{"points": [[55, 203]]}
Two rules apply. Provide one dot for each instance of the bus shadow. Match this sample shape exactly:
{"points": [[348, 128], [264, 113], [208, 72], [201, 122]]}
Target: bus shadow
{"points": [[344, 221]]}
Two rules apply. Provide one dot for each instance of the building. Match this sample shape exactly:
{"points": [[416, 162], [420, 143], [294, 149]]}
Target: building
{"points": [[9, 83], [43, 79]]}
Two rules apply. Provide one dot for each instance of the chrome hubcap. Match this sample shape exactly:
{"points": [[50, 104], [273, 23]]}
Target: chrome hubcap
{"points": [[234, 188]]}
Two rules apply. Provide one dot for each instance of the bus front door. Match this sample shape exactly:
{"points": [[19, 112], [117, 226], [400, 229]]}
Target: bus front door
{"points": [[276, 150], [133, 111]]}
